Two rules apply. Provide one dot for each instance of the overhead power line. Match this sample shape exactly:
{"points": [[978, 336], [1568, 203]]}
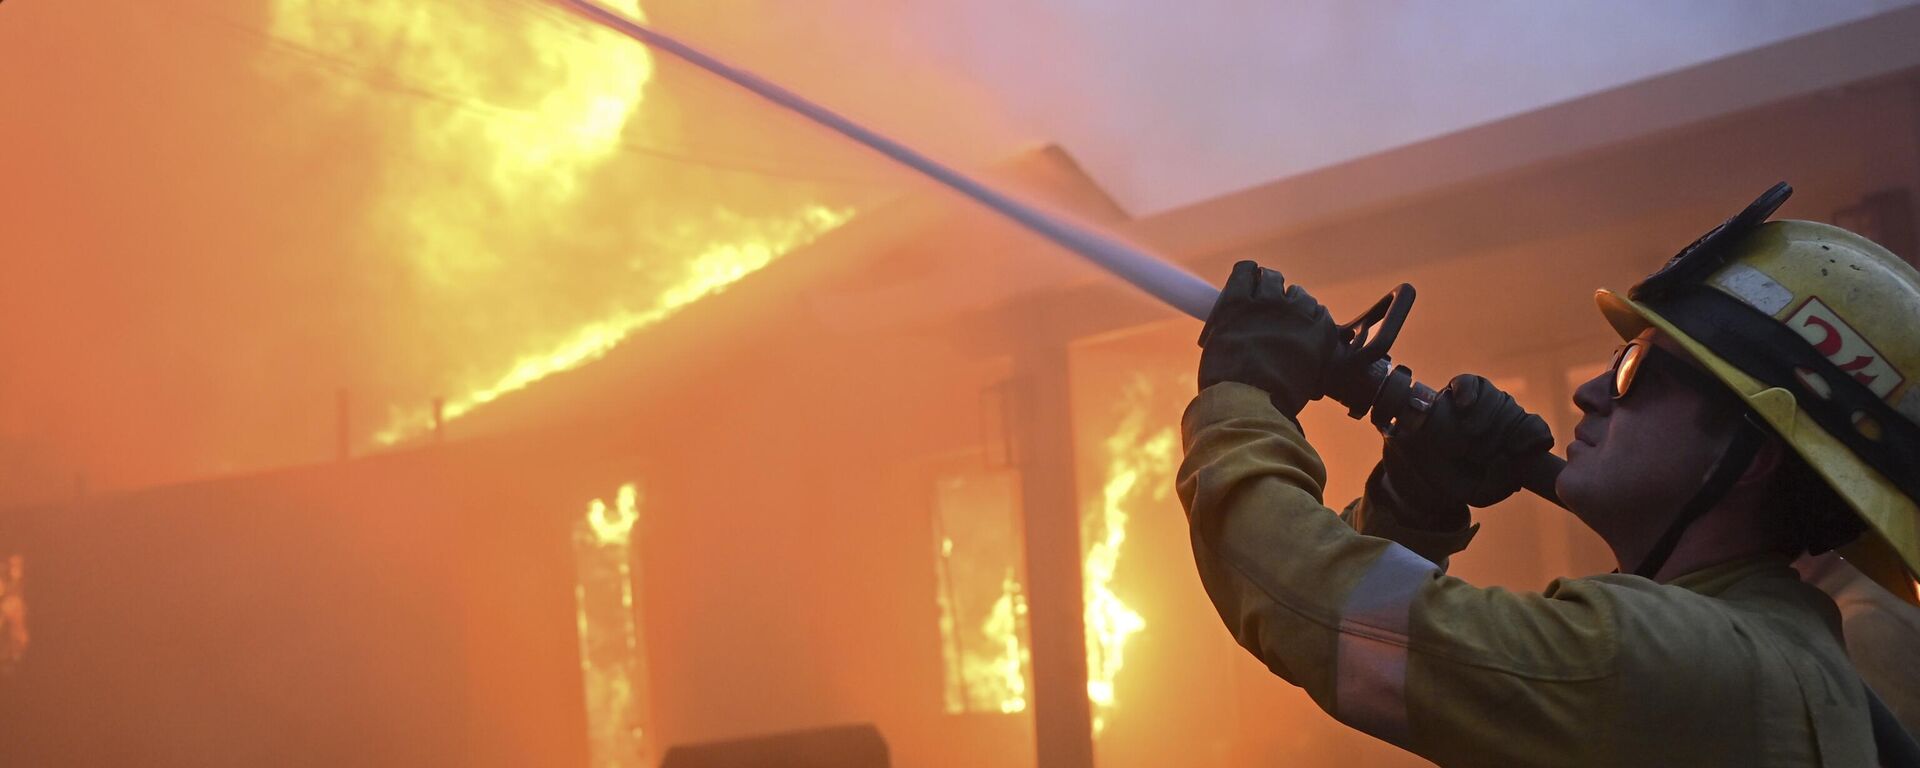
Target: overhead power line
{"points": [[385, 81]]}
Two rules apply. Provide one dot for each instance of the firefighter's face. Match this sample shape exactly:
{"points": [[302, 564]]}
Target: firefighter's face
{"points": [[1635, 459]]}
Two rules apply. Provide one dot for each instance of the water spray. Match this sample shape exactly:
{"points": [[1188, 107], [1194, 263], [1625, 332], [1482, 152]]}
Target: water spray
{"points": [[1368, 384]]}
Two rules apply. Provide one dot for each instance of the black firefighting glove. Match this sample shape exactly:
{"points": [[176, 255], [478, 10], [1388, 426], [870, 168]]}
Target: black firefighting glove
{"points": [[1271, 335], [1469, 452]]}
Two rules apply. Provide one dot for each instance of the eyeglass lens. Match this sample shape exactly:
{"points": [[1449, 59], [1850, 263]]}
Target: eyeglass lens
{"points": [[1626, 367]]}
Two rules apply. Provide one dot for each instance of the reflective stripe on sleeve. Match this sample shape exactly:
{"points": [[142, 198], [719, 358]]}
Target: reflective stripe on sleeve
{"points": [[1371, 660]]}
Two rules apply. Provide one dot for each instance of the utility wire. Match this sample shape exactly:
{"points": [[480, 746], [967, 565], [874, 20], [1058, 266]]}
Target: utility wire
{"points": [[1156, 276], [385, 81]]}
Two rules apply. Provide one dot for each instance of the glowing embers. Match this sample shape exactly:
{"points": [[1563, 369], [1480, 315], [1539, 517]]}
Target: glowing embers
{"points": [[1141, 454], [612, 657], [13, 612], [983, 613]]}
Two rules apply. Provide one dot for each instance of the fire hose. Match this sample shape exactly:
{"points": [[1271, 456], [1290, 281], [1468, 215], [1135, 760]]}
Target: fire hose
{"points": [[1369, 384]]}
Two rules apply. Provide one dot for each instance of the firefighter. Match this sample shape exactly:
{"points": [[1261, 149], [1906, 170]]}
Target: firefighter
{"points": [[1764, 405]]}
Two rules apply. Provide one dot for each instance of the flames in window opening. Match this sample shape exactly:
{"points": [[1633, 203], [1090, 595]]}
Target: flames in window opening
{"points": [[983, 611], [612, 655], [13, 612], [1140, 461]]}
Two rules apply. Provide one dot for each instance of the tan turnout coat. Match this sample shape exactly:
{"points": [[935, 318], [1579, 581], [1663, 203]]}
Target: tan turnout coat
{"points": [[1736, 665]]}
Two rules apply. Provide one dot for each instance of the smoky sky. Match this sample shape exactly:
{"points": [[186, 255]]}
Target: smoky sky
{"points": [[1168, 104]]}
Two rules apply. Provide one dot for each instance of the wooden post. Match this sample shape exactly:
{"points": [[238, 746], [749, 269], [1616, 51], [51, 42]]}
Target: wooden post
{"points": [[1056, 604]]}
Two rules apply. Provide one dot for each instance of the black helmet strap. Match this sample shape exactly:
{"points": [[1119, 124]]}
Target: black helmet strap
{"points": [[1733, 463]]}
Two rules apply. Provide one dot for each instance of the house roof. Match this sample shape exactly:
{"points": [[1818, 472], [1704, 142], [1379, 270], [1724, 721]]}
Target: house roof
{"points": [[914, 260]]}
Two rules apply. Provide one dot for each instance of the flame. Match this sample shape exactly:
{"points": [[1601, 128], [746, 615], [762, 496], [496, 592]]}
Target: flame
{"points": [[707, 273], [554, 102], [615, 530], [1137, 464], [611, 665], [990, 674], [497, 186], [1000, 679], [13, 612], [986, 664]]}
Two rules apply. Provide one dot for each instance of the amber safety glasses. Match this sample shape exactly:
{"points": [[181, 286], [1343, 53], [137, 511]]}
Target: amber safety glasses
{"points": [[1633, 359], [1626, 366]]}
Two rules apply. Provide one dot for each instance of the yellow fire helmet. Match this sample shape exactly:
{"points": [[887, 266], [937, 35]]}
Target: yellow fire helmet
{"points": [[1818, 330]]}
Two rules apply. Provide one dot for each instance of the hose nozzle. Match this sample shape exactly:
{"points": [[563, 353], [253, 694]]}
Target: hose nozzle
{"points": [[1371, 386]]}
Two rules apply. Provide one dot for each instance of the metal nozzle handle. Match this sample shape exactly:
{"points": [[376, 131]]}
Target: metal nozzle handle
{"points": [[1372, 387]]}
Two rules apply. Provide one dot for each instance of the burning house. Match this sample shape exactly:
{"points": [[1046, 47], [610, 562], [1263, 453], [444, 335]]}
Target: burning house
{"points": [[900, 464]]}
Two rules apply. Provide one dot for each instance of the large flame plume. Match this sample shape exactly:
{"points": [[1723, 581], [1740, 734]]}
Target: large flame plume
{"points": [[555, 104], [709, 272], [534, 244]]}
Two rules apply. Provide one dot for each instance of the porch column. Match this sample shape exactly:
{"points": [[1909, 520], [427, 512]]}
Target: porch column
{"points": [[1056, 609]]}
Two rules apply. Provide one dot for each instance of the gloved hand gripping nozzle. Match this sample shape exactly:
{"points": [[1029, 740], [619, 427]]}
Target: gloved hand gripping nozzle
{"points": [[1370, 385]]}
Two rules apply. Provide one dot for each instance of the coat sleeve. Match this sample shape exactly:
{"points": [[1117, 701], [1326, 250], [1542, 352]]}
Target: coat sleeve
{"points": [[1377, 513], [1379, 636]]}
